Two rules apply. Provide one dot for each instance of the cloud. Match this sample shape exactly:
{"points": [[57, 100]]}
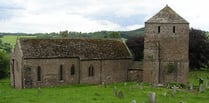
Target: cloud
{"points": [[7, 10], [92, 15]]}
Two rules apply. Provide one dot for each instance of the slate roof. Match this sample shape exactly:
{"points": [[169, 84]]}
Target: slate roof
{"points": [[82, 48], [166, 15]]}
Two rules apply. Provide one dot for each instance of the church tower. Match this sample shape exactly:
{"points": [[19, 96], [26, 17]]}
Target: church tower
{"points": [[166, 48]]}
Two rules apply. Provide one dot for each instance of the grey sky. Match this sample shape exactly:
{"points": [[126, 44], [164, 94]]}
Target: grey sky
{"points": [[93, 15]]}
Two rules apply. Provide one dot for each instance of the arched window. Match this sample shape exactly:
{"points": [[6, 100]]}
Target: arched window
{"points": [[38, 73], [91, 70], [174, 29], [72, 70], [61, 72]]}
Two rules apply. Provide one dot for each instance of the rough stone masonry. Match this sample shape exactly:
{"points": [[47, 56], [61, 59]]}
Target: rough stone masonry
{"points": [[166, 48]]}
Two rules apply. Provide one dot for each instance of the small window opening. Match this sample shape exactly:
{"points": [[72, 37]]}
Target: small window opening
{"points": [[61, 72], [38, 73], [158, 29], [174, 29], [13, 73], [91, 70], [72, 69]]}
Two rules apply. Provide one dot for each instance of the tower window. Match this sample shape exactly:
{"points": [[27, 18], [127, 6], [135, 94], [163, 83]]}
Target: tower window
{"points": [[91, 70], [61, 72], [38, 73], [72, 70], [174, 29], [158, 29]]}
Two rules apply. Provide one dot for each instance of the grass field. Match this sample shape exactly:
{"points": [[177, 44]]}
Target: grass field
{"points": [[100, 94], [12, 38]]}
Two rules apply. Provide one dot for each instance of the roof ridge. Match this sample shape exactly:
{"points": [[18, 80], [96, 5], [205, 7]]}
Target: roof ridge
{"points": [[166, 15]]}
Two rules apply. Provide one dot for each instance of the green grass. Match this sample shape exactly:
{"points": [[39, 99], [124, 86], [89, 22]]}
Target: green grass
{"points": [[99, 94], [12, 38]]}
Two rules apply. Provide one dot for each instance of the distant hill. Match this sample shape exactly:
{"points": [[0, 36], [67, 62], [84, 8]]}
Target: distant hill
{"points": [[132, 33], [70, 34]]}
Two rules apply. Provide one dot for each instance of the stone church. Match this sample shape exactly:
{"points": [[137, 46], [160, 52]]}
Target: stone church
{"points": [[50, 62]]}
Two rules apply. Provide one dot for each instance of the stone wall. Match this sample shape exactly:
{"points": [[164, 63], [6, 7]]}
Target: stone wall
{"points": [[135, 71], [16, 67], [107, 71], [115, 70], [84, 72], [164, 48], [135, 75], [50, 73]]}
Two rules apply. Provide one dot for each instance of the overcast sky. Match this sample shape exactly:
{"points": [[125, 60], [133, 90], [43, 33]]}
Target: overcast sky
{"points": [[32, 16]]}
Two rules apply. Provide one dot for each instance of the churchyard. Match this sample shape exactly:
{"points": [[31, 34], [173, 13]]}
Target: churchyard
{"points": [[126, 92]]}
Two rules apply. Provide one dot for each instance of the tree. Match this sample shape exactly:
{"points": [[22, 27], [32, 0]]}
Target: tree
{"points": [[4, 64], [136, 46], [198, 49], [64, 34], [114, 35], [5, 47]]}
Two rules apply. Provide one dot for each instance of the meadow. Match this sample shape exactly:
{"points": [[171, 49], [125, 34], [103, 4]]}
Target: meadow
{"points": [[12, 38], [83, 93]]}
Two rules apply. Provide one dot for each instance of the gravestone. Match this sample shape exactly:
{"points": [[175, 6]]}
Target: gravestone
{"points": [[154, 85], [125, 85], [151, 97], [120, 94], [115, 91], [142, 85], [168, 85], [137, 85], [206, 84], [201, 89], [174, 90], [200, 81], [130, 88], [160, 85], [39, 91], [133, 101], [104, 84], [191, 86], [164, 94]]}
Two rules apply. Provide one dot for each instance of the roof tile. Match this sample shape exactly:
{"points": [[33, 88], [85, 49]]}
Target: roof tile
{"points": [[82, 48]]}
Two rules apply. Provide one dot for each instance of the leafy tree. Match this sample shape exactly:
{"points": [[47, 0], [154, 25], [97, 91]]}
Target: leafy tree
{"points": [[4, 64], [114, 35], [64, 34], [136, 46], [198, 49], [5, 46]]}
